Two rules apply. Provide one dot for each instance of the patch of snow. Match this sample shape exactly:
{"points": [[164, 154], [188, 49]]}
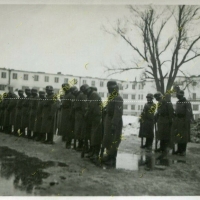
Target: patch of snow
{"points": [[132, 129]]}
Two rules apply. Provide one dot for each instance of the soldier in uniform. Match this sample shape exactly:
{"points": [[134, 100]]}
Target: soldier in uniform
{"points": [[93, 88], [66, 125], [18, 115], [93, 116], [80, 107], [48, 114], [147, 121], [38, 118], [12, 110], [33, 111], [164, 118], [113, 124], [6, 123], [3, 103], [25, 113], [181, 123]]}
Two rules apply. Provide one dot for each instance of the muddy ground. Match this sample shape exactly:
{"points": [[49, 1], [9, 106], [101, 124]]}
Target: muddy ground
{"points": [[32, 168]]}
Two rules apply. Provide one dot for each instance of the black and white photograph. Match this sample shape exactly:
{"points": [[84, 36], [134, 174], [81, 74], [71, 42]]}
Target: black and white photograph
{"points": [[99, 98]]}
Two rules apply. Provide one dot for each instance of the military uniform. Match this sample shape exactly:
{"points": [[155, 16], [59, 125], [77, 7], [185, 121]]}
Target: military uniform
{"points": [[12, 109], [48, 114], [164, 117], [25, 115], [33, 113], [18, 115], [147, 123], [94, 120], [6, 115], [66, 124], [181, 124], [80, 106], [112, 137]]}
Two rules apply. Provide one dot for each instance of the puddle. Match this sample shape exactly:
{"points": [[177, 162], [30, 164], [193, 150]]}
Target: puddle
{"points": [[132, 162], [21, 175]]}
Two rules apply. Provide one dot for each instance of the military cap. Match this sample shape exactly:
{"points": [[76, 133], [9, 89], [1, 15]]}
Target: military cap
{"points": [[180, 92], [84, 87], [49, 87], [73, 88], [111, 84], [149, 95], [64, 85], [41, 92], [94, 88], [21, 91], [157, 94], [33, 90]]}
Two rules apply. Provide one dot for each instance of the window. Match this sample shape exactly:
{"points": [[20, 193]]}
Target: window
{"points": [[194, 96], [56, 79], [84, 81], [132, 107], [93, 83], [66, 80], [139, 86], [14, 75], [46, 79], [101, 94], [125, 96], [3, 74], [120, 86], [26, 77], [101, 83], [133, 86], [195, 107], [133, 96], [75, 81], [36, 78], [37, 88], [139, 96], [125, 107], [138, 107], [2, 87], [11, 89], [141, 107]]}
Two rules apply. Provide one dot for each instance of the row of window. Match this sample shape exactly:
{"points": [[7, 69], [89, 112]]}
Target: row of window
{"points": [[133, 96], [140, 107], [140, 86]]}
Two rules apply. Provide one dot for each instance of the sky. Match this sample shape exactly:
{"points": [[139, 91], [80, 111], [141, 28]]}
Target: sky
{"points": [[68, 39]]}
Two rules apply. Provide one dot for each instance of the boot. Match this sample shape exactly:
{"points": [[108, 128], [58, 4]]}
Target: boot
{"points": [[68, 144], [91, 152], [74, 146], [80, 145]]}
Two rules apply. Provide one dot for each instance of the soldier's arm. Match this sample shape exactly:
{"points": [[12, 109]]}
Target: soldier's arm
{"points": [[189, 112], [170, 111], [118, 111]]}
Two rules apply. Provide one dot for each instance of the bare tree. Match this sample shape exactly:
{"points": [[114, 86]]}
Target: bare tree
{"points": [[151, 25]]}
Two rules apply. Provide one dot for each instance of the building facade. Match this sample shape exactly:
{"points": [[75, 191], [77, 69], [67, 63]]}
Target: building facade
{"points": [[133, 92]]}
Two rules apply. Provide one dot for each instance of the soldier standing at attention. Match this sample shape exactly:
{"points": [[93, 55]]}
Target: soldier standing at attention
{"points": [[25, 113], [164, 118], [181, 124], [38, 118], [113, 124], [33, 111], [48, 114], [80, 106], [93, 115], [147, 122], [12, 110], [66, 125], [18, 115]]}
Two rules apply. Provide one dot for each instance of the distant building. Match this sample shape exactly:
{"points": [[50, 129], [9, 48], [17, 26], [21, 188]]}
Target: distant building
{"points": [[133, 92]]}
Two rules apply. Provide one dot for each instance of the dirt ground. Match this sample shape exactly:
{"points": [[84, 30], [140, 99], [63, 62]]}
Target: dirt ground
{"points": [[83, 178]]}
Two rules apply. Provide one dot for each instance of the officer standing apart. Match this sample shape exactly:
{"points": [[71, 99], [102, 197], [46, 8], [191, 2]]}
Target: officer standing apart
{"points": [[113, 124], [48, 114], [181, 124], [164, 118], [147, 122]]}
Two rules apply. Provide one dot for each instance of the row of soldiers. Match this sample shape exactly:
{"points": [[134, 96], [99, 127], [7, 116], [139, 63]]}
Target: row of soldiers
{"points": [[171, 126], [83, 119]]}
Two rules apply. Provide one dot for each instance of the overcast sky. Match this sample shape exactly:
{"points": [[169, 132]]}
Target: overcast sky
{"points": [[64, 38]]}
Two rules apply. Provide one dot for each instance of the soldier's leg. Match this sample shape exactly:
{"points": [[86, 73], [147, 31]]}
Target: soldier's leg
{"points": [[49, 138], [29, 133]]}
